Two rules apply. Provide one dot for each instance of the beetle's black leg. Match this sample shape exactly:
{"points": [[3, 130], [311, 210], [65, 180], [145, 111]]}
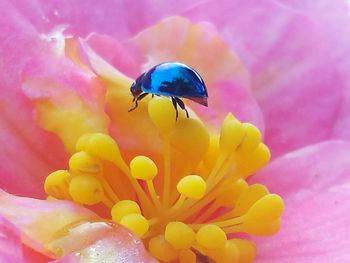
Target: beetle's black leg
{"points": [[182, 105], [140, 97], [175, 106]]}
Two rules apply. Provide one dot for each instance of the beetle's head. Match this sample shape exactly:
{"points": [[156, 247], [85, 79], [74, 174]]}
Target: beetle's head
{"points": [[136, 88]]}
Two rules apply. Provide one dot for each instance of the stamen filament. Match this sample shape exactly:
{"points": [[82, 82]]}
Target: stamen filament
{"points": [[207, 213], [166, 189], [230, 222], [178, 204], [153, 194], [234, 228], [191, 208], [227, 166], [108, 190], [107, 202], [146, 203], [219, 163]]}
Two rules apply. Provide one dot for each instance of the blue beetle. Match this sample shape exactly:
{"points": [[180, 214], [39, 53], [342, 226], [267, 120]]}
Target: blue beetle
{"points": [[171, 79]]}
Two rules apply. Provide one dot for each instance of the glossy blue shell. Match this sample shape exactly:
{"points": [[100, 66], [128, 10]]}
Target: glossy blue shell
{"points": [[173, 79]]}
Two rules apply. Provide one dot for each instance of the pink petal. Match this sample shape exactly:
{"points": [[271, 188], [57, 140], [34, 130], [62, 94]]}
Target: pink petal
{"points": [[314, 182], [298, 174], [315, 229], [47, 225], [10, 242], [115, 53], [25, 159], [120, 19], [295, 77], [40, 220], [11, 247], [329, 15]]}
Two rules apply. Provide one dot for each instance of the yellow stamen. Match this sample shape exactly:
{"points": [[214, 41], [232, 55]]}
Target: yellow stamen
{"points": [[144, 168], [84, 162], [227, 254], [86, 189], [137, 223], [192, 186], [187, 256], [162, 113], [57, 183], [211, 237], [161, 249], [179, 235], [123, 208], [212, 198]]}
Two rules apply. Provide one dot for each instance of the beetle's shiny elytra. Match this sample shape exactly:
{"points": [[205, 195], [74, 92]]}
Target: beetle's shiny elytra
{"points": [[171, 79]]}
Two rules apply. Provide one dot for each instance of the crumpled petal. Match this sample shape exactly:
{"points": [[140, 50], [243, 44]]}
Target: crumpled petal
{"points": [[130, 129], [314, 183], [61, 228], [296, 78], [10, 242], [69, 100], [40, 220], [25, 158]]}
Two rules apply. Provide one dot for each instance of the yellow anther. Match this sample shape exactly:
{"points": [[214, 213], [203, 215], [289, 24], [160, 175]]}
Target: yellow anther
{"points": [[251, 139], [179, 235], [254, 161], [143, 168], [268, 208], [190, 138], [161, 249], [227, 254], [86, 189], [248, 197], [84, 162], [230, 195], [56, 184], [192, 186], [162, 114], [260, 228], [101, 146], [123, 208], [136, 223], [187, 256], [247, 250], [231, 134], [211, 237]]}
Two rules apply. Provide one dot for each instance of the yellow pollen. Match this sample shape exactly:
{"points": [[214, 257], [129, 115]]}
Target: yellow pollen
{"points": [[192, 186], [56, 184], [179, 235], [137, 223], [190, 202], [123, 208], [86, 189], [83, 162], [143, 168], [211, 237]]}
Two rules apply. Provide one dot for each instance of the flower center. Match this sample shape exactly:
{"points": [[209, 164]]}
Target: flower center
{"points": [[192, 200]]}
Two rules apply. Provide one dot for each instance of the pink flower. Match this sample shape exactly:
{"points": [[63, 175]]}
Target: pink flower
{"points": [[281, 66]]}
